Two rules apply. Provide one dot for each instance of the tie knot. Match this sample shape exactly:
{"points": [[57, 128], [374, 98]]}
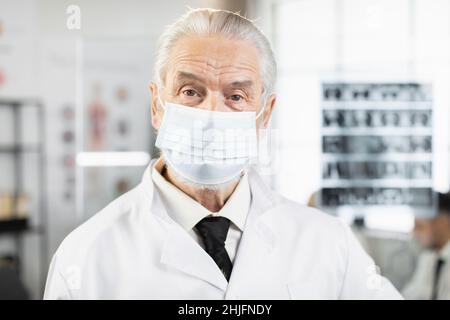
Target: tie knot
{"points": [[213, 229]]}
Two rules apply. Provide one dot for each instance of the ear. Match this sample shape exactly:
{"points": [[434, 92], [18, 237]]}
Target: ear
{"points": [[270, 104], [155, 108]]}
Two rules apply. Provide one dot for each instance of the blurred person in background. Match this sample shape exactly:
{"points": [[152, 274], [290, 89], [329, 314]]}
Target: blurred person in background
{"points": [[431, 279]]}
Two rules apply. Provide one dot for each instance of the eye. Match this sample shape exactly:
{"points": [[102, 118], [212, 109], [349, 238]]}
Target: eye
{"points": [[236, 97], [190, 93]]}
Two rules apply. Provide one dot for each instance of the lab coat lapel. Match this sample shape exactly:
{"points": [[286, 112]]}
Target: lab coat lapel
{"points": [[180, 251], [183, 253], [257, 242]]}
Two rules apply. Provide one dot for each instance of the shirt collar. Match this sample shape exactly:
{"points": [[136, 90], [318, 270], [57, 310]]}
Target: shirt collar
{"points": [[188, 212]]}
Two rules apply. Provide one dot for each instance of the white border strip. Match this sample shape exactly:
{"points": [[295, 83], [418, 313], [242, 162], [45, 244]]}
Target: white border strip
{"points": [[112, 159]]}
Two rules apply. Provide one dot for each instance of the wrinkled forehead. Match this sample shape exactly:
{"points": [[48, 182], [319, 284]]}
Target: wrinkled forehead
{"points": [[214, 61]]}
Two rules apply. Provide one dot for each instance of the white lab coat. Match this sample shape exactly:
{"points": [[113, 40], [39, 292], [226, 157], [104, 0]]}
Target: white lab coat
{"points": [[132, 249]]}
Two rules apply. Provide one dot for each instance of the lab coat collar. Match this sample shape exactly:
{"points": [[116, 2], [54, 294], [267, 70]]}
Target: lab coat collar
{"points": [[183, 209], [258, 239], [266, 198], [181, 252]]}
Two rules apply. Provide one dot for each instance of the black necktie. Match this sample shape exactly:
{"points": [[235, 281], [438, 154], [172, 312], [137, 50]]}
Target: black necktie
{"points": [[437, 273], [213, 231]]}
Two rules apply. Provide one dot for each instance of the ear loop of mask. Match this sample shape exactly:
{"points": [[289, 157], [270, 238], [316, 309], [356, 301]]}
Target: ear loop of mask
{"points": [[261, 132], [160, 101], [262, 109]]}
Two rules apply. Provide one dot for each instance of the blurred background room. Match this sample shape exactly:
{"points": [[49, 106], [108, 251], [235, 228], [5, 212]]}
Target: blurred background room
{"points": [[360, 129]]}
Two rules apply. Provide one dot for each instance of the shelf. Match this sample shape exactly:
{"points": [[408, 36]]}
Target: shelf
{"points": [[377, 131], [14, 225], [377, 183], [377, 105], [393, 157], [19, 149], [12, 102]]}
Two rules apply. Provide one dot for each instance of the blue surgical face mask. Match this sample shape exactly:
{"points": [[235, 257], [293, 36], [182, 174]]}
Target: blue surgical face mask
{"points": [[207, 147]]}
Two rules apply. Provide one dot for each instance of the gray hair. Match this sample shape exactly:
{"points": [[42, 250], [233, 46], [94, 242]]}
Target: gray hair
{"points": [[224, 23]]}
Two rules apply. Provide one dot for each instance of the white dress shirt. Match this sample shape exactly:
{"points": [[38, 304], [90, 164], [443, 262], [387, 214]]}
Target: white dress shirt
{"points": [[187, 212], [421, 285]]}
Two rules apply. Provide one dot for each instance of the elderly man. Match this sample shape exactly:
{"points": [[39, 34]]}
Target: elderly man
{"points": [[202, 224]]}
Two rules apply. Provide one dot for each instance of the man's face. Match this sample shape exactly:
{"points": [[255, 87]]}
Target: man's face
{"points": [[432, 233], [213, 73], [423, 232]]}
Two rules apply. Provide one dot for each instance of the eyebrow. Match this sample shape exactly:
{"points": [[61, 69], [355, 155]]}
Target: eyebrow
{"points": [[242, 84], [183, 76]]}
